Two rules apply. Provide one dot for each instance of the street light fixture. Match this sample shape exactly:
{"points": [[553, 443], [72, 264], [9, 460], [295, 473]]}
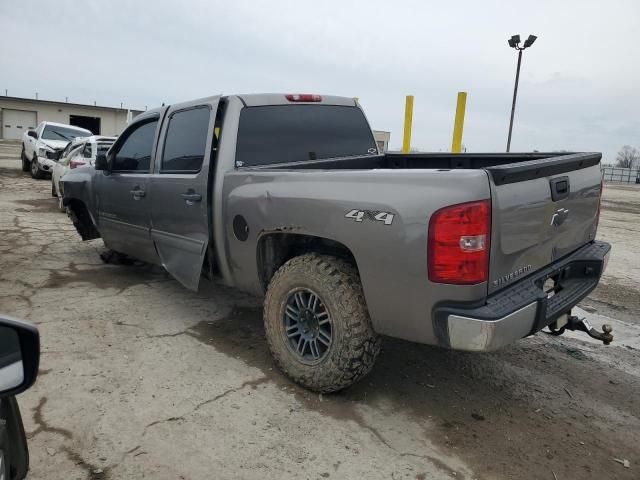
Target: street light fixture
{"points": [[514, 42]]}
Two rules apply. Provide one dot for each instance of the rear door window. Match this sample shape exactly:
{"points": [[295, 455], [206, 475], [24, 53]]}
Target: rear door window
{"points": [[186, 141], [293, 133]]}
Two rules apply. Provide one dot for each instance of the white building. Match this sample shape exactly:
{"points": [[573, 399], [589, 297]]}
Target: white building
{"points": [[382, 139], [17, 115]]}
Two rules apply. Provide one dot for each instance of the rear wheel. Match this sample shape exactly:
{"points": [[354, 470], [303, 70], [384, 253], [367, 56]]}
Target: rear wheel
{"points": [[317, 324]]}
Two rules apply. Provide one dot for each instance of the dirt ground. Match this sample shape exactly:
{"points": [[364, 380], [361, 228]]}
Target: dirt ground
{"points": [[141, 378]]}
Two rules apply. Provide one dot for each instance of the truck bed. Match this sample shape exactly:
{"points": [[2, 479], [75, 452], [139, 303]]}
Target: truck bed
{"points": [[532, 195], [503, 167]]}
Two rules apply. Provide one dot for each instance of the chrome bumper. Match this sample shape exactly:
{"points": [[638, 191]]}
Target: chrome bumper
{"points": [[477, 335], [523, 307]]}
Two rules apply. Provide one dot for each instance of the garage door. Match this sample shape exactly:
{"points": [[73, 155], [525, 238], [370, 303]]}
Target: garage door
{"points": [[16, 122]]}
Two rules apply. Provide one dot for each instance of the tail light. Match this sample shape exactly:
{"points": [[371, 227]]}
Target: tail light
{"points": [[458, 245], [303, 97], [76, 163]]}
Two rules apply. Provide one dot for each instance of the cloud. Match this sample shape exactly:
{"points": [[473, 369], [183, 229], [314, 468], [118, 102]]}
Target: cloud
{"points": [[578, 83]]}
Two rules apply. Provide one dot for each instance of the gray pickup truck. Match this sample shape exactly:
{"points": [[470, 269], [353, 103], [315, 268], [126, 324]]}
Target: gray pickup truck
{"points": [[287, 197]]}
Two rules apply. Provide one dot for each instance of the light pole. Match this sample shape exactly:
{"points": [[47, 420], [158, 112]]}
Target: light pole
{"points": [[514, 42]]}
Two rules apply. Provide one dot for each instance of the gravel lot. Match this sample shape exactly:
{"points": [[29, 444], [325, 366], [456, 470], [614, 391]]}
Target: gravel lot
{"points": [[141, 378]]}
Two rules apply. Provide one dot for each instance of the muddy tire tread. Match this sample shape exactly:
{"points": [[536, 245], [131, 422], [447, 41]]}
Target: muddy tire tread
{"points": [[360, 344]]}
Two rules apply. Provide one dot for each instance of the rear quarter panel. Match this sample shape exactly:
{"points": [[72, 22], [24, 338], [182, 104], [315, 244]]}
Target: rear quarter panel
{"points": [[391, 259]]}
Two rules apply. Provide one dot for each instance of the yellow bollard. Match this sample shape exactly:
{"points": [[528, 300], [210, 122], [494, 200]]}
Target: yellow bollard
{"points": [[408, 118], [458, 124]]}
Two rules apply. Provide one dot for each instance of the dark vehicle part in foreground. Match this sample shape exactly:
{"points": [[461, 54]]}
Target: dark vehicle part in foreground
{"points": [[19, 359], [287, 197]]}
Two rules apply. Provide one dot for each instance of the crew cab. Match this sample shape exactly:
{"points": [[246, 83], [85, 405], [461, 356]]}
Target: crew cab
{"points": [[42, 146], [286, 196]]}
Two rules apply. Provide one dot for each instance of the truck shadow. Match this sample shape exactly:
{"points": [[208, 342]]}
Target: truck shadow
{"points": [[516, 412]]}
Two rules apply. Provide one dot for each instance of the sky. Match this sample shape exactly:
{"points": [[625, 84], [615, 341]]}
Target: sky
{"points": [[579, 84]]}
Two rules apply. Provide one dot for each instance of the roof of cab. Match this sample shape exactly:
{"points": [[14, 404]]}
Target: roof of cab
{"points": [[261, 99], [258, 99]]}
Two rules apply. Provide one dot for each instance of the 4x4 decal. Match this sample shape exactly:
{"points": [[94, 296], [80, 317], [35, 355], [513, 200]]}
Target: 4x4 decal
{"points": [[373, 215]]}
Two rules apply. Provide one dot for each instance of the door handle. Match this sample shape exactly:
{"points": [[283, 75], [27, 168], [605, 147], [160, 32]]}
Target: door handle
{"points": [[137, 193], [191, 197]]}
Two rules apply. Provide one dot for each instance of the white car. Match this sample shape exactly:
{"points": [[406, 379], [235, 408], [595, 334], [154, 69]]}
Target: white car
{"points": [[79, 152], [41, 147]]}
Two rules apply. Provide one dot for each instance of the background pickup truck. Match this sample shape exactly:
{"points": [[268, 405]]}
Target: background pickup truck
{"points": [[41, 147], [287, 197]]}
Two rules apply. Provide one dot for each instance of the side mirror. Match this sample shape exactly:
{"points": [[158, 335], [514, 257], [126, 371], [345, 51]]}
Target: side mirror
{"points": [[19, 356], [101, 162], [32, 134]]}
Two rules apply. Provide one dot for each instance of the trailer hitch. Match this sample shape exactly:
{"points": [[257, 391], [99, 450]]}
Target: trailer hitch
{"points": [[582, 324]]}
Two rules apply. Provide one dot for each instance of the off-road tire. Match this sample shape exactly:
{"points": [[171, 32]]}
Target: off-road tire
{"points": [[26, 165], [354, 347]]}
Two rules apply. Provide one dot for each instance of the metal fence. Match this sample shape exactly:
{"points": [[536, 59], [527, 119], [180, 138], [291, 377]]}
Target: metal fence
{"points": [[624, 175]]}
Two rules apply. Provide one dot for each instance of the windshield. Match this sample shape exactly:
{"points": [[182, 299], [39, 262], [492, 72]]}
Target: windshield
{"points": [[53, 132], [293, 133]]}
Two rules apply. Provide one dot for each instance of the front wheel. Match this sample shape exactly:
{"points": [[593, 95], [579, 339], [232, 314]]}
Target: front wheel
{"points": [[25, 163], [35, 169], [317, 324]]}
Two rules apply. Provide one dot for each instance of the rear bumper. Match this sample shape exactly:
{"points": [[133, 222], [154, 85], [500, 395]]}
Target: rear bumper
{"points": [[523, 308]]}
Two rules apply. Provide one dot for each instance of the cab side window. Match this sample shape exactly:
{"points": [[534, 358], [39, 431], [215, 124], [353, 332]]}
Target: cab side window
{"points": [[134, 153], [186, 141]]}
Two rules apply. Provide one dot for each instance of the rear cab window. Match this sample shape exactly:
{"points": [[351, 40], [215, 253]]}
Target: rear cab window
{"points": [[296, 133]]}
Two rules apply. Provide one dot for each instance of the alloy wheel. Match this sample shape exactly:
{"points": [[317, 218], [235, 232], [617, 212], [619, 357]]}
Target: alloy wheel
{"points": [[307, 325]]}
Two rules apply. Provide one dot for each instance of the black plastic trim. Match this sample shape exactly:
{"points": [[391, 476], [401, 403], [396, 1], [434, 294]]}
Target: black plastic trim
{"points": [[13, 439], [576, 274], [560, 188], [529, 170]]}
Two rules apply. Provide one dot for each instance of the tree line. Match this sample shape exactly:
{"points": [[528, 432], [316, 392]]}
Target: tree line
{"points": [[628, 157]]}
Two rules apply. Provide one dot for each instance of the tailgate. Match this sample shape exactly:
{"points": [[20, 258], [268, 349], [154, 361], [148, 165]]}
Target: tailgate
{"points": [[542, 210]]}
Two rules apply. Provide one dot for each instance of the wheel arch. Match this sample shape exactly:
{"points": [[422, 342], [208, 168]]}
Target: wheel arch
{"points": [[274, 249], [81, 218]]}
